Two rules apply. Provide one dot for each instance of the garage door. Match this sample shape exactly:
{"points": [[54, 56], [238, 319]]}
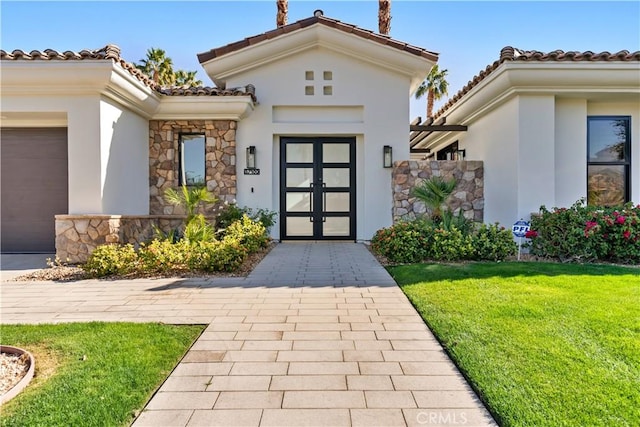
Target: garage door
{"points": [[34, 187]]}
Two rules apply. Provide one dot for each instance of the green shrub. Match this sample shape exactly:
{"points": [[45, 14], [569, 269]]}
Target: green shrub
{"points": [[216, 256], [587, 233], [248, 233], [230, 213], [404, 242], [450, 245], [161, 256], [111, 259], [419, 240], [493, 243]]}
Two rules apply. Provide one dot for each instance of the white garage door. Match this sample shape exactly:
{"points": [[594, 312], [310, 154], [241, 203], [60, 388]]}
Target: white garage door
{"points": [[34, 187]]}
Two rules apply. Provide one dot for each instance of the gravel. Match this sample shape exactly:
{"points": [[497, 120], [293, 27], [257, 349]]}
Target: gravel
{"points": [[12, 368]]}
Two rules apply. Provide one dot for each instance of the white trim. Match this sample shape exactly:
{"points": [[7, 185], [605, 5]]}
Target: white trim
{"points": [[204, 108]]}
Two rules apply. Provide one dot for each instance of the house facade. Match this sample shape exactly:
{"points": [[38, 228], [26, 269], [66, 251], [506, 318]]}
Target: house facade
{"points": [[310, 120], [300, 122], [551, 129]]}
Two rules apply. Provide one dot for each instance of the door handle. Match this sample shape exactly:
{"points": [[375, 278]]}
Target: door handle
{"points": [[311, 202], [324, 201]]}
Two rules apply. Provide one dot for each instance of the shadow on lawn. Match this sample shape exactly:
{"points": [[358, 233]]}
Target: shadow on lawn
{"points": [[433, 272]]}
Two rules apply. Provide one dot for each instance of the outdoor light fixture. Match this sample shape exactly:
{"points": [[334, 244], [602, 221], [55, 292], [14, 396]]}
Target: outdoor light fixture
{"points": [[387, 156], [251, 157], [462, 154]]}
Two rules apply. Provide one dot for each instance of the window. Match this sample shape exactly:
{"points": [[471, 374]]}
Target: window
{"points": [[609, 160], [192, 164], [450, 152]]}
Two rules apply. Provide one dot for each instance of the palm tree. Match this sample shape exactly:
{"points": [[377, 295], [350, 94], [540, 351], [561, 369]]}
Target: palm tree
{"points": [[186, 78], [433, 192], [283, 10], [158, 67], [435, 86], [190, 199], [384, 16]]}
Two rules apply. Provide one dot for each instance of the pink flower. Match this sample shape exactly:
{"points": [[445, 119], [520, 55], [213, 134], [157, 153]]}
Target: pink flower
{"points": [[620, 219], [626, 235], [531, 234]]}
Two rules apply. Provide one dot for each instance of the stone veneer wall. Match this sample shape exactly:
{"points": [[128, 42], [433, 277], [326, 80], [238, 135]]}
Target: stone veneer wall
{"points": [[468, 195], [220, 159], [78, 235]]}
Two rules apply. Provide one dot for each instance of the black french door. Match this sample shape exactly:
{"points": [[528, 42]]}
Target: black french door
{"points": [[317, 188]]}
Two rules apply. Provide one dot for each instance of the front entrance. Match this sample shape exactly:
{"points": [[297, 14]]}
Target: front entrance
{"points": [[317, 188]]}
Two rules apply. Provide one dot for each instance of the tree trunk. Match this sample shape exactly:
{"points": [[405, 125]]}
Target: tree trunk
{"points": [[283, 10], [384, 16], [430, 99]]}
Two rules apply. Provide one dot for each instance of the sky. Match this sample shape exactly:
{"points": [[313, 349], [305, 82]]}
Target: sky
{"points": [[467, 35]]}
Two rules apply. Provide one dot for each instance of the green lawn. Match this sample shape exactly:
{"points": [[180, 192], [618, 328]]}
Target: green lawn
{"points": [[93, 374], [543, 344]]}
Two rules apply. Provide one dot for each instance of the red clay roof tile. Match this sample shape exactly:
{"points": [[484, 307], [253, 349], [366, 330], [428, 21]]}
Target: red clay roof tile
{"points": [[321, 20], [509, 53], [112, 53]]}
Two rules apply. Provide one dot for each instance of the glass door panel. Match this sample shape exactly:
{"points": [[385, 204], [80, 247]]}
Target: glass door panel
{"points": [[299, 202], [336, 227], [299, 227], [337, 202], [300, 153], [299, 177], [336, 177], [335, 153]]}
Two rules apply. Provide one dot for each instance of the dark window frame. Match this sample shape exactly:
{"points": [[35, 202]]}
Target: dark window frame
{"points": [[452, 148], [181, 165], [626, 163]]}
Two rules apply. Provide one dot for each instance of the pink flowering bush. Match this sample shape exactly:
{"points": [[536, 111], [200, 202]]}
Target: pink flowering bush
{"points": [[587, 233]]}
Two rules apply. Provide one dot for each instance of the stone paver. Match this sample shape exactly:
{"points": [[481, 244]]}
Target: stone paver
{"points": [[318, 334]]}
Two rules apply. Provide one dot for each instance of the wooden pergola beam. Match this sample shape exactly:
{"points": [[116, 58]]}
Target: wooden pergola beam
{"points": [[437, 128]]}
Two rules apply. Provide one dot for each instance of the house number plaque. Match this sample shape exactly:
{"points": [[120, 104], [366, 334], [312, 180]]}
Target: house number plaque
{"points": [[252, 171]]}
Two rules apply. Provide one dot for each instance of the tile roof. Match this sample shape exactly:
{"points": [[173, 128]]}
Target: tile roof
{"points": [[509, 53], [209, 91], [307, 22], [112, 53]]}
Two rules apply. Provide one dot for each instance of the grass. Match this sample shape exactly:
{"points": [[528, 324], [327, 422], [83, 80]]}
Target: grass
{"points": [[93, 374], [543, 344]]}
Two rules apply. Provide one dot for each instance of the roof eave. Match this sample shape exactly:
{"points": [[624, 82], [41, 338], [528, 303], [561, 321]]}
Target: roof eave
{"points": [[587, 79], [221, 68]]}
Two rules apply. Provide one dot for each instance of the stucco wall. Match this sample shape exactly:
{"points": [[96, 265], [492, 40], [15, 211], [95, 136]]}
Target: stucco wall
{"points": [[125, 161], [493, 139], [534, 149], [536, 172], [373, 108], [570, 151]]}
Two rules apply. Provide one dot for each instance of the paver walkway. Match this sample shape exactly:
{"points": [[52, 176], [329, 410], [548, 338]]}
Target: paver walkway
{"points": [[318, 334]]}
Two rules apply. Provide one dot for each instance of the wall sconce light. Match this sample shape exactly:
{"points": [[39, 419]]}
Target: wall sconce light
{"points": [[387, 156], [251, 157]]}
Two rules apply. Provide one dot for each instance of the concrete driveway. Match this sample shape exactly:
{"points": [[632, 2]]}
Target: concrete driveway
{"points": [[14, 265]]}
